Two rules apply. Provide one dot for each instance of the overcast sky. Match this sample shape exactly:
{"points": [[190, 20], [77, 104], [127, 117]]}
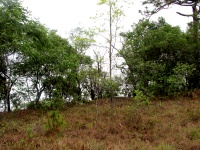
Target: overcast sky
{"points": [[64, 15]]}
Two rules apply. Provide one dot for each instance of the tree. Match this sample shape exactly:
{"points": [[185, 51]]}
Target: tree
{"points": [[151, 52], [33, 66], [81, 40], [35, 60], [98, 64], [109, 31], [13, 20], [111, 87], [91, 81], [112, 17], [63, 60], [48, 63], [158, 5]]}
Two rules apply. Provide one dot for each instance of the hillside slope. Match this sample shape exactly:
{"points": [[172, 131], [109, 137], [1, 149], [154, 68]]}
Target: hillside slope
{"points": [[163, 125]]}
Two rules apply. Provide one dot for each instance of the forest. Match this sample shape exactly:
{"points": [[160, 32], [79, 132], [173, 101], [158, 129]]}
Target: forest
{"points": [[51, 91]]}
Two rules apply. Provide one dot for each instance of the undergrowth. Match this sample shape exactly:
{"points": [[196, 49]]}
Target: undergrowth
{"points": [[166, 125]]}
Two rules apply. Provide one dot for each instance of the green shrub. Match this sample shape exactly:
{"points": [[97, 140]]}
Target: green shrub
{"points": [[46, 105], [194, 134], [29, 132], [140, 98], [55, 120], [33, 106]]}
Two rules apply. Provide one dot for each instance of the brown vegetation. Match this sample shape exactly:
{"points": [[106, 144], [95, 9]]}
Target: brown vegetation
{"points": [[163, 125]]}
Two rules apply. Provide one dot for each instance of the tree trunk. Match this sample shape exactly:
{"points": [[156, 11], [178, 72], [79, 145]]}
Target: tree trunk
{"points": [[3, 81], [194, 81], [110, 49], [39, 93], [8, 100], [92, 94], [3, 87], [79, 93], [110, 41]]}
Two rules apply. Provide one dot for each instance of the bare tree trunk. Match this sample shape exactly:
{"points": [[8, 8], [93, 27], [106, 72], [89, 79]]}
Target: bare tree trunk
{"points": [[110, 50], [8, 100], [195, 78], [110, 42], [39, 93], [3, 86], [195, 24]]}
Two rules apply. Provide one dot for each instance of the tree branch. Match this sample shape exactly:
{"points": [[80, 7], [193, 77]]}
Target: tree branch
{"points": [[186, 15], [184, 3], [100, 46], [165, 5]]}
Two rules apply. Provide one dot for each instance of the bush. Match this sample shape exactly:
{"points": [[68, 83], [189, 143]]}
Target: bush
{"points": [[33, 106], [46, 105], [140, 98], [55, 120]]}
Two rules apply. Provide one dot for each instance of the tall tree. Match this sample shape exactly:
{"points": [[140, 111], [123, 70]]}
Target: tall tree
{"points": [[158, 5], [112, 18], [48, 62], [12, 22], [152, 51], [81, 39], [93, 76]]}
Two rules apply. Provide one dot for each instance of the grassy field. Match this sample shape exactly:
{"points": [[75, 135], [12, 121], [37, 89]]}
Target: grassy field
{"points": [[163, 125]]}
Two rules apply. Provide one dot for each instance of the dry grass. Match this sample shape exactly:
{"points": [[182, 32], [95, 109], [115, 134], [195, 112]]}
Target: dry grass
{"points": [[164, 125]]}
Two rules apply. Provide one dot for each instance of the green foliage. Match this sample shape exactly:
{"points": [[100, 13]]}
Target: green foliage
{"points": [[32, 105], [54, 120], [112, 16], [155, 54], [16, 101], [57, 104], [159, 5], [90, 81], [192, 56], [39, 55], [13, 28], [49, 63], [29, 132], [110, 86], [102, 2], [141, 99], [46, 105], [178, 81], [81, 39], [161, 59]]}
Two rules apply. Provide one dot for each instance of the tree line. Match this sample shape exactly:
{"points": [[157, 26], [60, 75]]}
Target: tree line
{"points": [[37, 65]]}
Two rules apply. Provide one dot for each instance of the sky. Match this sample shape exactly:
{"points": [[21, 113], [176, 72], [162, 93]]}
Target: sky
{"points": [[65, 15]]}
